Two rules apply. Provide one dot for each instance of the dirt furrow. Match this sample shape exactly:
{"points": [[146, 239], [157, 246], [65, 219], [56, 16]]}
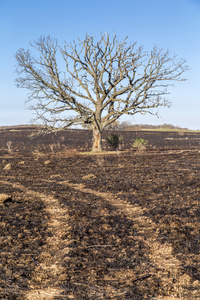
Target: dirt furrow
{"points": [[52, 255], [164, 264]]}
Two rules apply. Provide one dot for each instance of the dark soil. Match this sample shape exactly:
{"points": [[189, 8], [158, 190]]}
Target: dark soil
{"points": [[121, 225]]}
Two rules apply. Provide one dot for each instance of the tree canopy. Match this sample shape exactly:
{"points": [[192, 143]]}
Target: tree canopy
{"points": [[99, 81]]}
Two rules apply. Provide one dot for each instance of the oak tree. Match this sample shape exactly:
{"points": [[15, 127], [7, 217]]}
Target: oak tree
{"points": [[98, 81]]}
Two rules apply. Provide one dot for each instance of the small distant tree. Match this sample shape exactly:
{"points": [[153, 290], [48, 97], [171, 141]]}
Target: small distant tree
{"points": [[114, 126], [102, 81], [125, 125]]}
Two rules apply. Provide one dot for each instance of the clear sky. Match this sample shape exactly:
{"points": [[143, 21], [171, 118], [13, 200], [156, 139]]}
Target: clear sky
{"points": [[170, 24]]}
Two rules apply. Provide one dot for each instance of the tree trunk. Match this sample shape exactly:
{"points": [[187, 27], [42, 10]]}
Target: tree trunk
{"points": [[97, 139]]}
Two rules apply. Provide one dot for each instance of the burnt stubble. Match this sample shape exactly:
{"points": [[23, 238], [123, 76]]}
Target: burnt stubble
{"points": [[117, 225]]}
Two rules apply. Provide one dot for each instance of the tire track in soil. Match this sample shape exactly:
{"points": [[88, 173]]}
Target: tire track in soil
{"points": [[164, 264], [163, 261], [53, 267]]}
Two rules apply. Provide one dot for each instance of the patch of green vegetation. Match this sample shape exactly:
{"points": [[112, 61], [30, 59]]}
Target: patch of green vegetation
{"points": [[115, 141], [140, 144]]}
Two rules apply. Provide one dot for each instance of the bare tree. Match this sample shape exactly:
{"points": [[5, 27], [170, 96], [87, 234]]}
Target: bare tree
{"points": [[100, 81]]}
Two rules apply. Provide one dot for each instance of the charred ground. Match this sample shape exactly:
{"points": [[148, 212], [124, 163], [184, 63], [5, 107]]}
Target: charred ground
{"points": [[109, 226]]}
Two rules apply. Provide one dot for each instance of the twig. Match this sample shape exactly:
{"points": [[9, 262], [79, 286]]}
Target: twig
{"points": [[123, 280], [142, 278], [197, 239], [37, 263]]}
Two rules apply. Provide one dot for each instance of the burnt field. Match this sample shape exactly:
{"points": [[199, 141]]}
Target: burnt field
{"points": [[121, 225]]}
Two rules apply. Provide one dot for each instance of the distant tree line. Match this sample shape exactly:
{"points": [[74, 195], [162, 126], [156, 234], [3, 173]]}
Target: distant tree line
{"points": [[127, 125]]}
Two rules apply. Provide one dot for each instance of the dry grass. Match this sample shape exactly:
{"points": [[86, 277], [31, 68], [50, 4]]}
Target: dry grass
{"points": [[67, 153], [4, 197]]}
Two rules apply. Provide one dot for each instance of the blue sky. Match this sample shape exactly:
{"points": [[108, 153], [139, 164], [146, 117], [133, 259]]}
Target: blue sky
{"points": [[170, 24]]}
